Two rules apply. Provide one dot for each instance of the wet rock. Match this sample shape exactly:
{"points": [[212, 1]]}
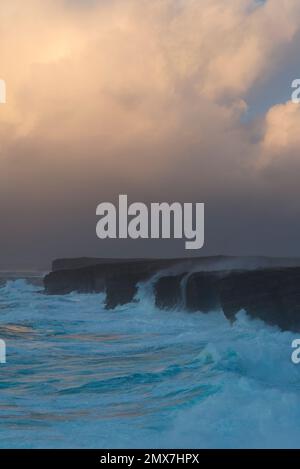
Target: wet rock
{"points": [[168, 292], [271, 294], [202, 292]]}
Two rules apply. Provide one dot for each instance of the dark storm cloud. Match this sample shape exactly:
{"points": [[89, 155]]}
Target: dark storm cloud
{"points": [[148, 99]]}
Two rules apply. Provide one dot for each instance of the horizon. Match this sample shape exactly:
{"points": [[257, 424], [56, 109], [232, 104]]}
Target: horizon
{"points": [[28, 268]]}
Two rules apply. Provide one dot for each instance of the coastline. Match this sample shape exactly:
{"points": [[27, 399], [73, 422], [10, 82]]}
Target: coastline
{"points": [[265, 288]]}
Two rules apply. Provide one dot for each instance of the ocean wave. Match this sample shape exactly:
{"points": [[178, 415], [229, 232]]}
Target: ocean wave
{"points": [[78, 375]]}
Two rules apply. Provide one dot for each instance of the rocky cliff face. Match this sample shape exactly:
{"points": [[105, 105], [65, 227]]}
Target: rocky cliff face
{"points": [[262, 288], [99, 276], [271, 295]]}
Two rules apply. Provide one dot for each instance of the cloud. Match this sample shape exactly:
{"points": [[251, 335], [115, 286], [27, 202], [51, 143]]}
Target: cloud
{"points": [[140, 97], [282, 137]]}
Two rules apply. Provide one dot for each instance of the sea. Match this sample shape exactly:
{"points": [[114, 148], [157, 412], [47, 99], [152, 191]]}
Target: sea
{"points": [[79, 376]]}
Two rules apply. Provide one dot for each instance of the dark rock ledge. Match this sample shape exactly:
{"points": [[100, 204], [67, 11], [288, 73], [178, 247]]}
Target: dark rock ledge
{"points": [[268, 289]]}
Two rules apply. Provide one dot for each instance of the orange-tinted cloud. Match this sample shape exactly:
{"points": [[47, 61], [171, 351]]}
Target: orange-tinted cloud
{"points": [[140, 97]]}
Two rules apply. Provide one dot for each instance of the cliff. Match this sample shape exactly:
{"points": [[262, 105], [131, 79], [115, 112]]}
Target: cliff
{"points": [[267, 289]]}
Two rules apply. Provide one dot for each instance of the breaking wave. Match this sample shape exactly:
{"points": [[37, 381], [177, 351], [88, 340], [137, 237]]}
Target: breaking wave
{"points": [[78, 375]]}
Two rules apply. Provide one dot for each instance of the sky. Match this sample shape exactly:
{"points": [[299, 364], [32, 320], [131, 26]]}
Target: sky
{"points": [[163, 100]]}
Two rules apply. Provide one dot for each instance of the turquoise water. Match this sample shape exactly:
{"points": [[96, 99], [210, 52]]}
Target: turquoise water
{"points": [[80, 376]]}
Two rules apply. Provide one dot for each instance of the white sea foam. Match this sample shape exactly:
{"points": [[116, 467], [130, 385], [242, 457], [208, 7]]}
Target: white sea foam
{"points": [[80, 376]]}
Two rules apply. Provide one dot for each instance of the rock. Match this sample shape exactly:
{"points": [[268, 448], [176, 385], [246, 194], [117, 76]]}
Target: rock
{"points": [[62, 282], [168, 292], [261, 288], [118, 279], [202, 292], [272, 295], [121, 289], [80, 262]]}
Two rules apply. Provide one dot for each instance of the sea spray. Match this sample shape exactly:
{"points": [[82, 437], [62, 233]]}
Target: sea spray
{"points": [[81, 376]]}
